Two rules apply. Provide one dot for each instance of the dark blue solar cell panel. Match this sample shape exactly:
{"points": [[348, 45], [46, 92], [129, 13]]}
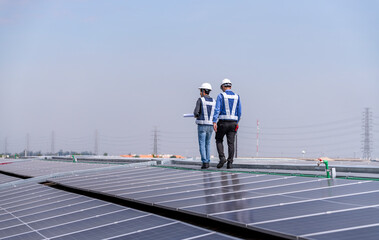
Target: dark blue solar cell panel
{"points": [[130, 188], [368, 233], [75, 216], [93, 222], [16, 230], [6, 216], [23, 195], [231, 193], [324, 222], [6, 179], [179, 181], [9, 223], [155, 192], [103, 180], [24, 201], [366, 199], [26, 236], [205, 199], [40, 202], [18, 189], [206, 180], [117, 229], [299, 185], [207, 189], [169, 232], [228, 187], [76, 199], [215, 236], [278, 212], [239, 204], [339, 190], [61, 210]]}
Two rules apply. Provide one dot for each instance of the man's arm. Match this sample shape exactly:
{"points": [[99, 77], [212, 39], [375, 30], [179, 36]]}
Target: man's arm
{"points": [[217, 108], [217, 111], [239, 110], [196, 111]]}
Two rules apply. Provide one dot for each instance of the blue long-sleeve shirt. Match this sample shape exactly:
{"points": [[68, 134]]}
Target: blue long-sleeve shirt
{"points": [[220, 106]]}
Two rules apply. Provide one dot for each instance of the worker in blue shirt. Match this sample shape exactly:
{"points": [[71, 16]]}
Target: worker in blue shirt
{"points": [[203, 113], [228, 114]]}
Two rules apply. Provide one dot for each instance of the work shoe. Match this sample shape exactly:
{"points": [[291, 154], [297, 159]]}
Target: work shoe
{"points": [[204, 165], [229, 165], [221, 163]]}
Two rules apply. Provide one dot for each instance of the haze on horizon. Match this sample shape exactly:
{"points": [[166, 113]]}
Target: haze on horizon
{"points": [[305, 69]]}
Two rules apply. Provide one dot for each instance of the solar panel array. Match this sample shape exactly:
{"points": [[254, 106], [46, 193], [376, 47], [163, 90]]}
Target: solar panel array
{"points": [[34, 168], [286, 206], [35, 212]]}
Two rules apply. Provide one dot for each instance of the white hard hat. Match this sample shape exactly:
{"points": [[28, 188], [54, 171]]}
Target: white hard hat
{"points": [[226, 82], [206, 86]]}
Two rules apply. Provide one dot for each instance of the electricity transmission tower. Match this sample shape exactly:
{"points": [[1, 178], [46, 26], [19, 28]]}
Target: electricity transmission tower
{"points": [[155, 148], [257, 138], [367, 135], [27, 145], [52, 142], [5, 146], [96, 142]]}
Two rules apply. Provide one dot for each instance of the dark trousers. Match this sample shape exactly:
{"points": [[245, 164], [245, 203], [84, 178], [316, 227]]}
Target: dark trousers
{"points": [[227, 128]]}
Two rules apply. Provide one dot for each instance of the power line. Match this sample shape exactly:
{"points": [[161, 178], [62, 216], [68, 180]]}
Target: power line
{"points": [[116, 138], [310, 138], [315, 125], [313, 145]]}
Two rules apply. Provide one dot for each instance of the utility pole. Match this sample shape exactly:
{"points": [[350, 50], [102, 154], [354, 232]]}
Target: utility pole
{"points": [[52, 142], [155, 150], [257, 138], [367, 136], [96, 142]]}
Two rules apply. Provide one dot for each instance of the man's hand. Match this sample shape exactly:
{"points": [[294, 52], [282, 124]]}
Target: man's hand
{"points": [[215, 127]]}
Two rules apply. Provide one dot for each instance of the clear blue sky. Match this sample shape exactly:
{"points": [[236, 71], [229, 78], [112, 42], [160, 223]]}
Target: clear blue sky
{"points": [[305, 69]]}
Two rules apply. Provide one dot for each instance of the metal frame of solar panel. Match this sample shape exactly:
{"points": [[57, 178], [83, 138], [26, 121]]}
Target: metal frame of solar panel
{"points": [[35, 211], [285, 206]]}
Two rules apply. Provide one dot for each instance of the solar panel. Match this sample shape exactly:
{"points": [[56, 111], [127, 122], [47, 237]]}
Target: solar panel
{"points": [[168, 231], [260, 202], [28, 236], [209, 236], [366, 233], [323, 222], [35, 211], [5, 178], [33, 168], [279, 212], [234, 193]]}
